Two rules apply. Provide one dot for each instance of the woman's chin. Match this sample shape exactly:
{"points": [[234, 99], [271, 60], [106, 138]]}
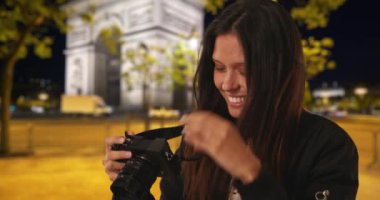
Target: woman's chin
{"points": [[235, 113]]}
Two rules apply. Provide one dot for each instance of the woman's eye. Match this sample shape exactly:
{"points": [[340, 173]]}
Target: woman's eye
{"points": [[241, 70], [219, 68]]}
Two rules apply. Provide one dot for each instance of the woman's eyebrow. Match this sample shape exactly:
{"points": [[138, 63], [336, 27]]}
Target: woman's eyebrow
{"points": [[237, 64], [217, 61]]}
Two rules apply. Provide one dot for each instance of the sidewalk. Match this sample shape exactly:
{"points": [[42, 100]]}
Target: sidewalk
{"points": [[62, 170]]}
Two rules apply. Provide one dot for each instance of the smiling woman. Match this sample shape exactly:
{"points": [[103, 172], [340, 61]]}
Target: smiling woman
{"points": [[229, 72], [255, 139]]}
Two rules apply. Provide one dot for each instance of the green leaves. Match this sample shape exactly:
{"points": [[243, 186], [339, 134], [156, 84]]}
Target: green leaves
{"points": [[317, 55], [89, 15], [110, 38], [315, 14], [213, 5], [127, 80], [42, 48], [26, 23], [142, 61], [183, 60], [154, 64]]}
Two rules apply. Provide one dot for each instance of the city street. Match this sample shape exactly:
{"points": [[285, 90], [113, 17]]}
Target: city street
{"points": [[61, 158], [73, 73]]}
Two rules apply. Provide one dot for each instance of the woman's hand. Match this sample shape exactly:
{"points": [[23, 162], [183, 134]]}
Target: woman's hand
{"points": [[218, 138], [111, 166]]}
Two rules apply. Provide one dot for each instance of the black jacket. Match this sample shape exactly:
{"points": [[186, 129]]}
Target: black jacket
{"points": [[324, 159]]}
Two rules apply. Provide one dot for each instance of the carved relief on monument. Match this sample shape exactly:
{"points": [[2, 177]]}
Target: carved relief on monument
{"points": [[78, 36], [174, 18], [77, 76], [140, 15]]}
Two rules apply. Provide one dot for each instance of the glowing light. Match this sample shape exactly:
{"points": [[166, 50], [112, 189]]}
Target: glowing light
{"points": [[361, 91], [43, 96]]}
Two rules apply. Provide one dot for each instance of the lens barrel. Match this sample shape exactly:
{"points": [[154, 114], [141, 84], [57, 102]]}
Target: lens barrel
{"points": [[136, 178]]}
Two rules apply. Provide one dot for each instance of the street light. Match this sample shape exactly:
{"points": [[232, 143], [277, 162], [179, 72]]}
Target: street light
{"points": [[193, 40], [193, 43], [43, 96], [360, 91]]}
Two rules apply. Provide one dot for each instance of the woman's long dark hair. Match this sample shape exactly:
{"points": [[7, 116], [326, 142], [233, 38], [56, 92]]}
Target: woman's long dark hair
{"points": [[275, 78]]}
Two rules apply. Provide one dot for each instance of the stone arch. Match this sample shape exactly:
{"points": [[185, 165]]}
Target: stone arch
{"points": [[107, 20]]}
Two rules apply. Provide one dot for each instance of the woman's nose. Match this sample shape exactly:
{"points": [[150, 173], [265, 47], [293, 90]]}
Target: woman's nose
{"points": [[230, 82]]}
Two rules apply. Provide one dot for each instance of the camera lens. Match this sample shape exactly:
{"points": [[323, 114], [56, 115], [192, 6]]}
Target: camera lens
{"points": [[136, 178]]}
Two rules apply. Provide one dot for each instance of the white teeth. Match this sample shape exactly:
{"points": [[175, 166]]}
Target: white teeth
{"points": [[236, 99]]}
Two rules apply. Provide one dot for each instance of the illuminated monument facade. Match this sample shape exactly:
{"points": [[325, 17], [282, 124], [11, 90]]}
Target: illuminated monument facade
{"points": [[91, 70]]}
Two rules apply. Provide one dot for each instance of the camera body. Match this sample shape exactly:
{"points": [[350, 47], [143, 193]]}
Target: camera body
{"points": [[157, 147], [151, 157]]}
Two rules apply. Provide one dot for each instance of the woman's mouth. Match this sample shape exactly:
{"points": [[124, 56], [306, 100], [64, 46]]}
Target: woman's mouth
{"points": [[236, 101]]}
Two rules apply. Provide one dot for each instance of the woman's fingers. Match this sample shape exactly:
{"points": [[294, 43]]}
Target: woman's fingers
{"points": [[113, 140], [118, 155], [205, 131], [112, 176], [112, 168], [130, 133], [110, 163]]}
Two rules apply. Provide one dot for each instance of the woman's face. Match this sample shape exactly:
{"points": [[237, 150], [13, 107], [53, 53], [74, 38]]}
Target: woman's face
{"points": [[229, 72]]}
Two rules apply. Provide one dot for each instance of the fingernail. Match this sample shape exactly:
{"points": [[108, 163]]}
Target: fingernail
{"points": [[183, 132], [128, 154], [121, 140], [130, 133], [183, 118]]}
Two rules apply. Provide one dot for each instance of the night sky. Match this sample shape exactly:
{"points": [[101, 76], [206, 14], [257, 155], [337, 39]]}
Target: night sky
{"points": [[354, 27]]}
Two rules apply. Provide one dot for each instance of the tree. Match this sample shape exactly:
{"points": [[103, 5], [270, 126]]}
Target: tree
{"points": [[24, 27], [144, 62], [183, 58], [314, 14], [151, 64], [310, 15]]}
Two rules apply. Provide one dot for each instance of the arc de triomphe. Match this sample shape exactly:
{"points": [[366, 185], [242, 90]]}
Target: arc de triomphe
{"points": [[90, 70]]}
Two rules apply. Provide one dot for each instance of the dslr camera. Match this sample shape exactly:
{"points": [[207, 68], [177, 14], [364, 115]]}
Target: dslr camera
{"points": [[151, 157]]}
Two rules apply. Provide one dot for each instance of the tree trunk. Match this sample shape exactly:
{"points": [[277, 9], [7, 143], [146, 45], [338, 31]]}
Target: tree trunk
{"points": [[179, 95], [7, 85], [146, 98], [6, 91], [180, 98], [146, 105]]}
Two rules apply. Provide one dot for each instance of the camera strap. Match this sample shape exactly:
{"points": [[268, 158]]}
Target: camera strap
{"points": [[169, 133], [165, 133]]}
